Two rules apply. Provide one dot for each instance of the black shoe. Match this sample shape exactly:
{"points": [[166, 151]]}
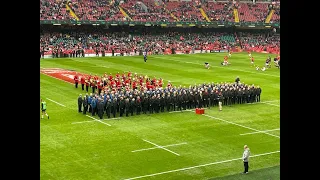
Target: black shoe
{"points": [[48, 117]]}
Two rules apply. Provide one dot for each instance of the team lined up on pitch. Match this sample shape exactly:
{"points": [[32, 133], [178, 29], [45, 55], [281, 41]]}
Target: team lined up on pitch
{"points": [[134, 94]]}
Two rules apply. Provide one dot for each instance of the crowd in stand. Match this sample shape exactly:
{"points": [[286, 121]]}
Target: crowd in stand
{"points": [[128, 93], [152, 10], [157, 43], [259, 42], [219, 11]]}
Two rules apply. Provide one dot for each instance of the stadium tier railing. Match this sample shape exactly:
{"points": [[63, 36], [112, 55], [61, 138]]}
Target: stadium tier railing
{"points": [[151, 23]]}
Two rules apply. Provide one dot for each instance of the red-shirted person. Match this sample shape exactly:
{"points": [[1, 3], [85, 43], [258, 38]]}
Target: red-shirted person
{"points": [[252, 60], [225, 61], [160, 82], [76, 80], [87, 83], [82, 80], [134, 85], [110, 77]]}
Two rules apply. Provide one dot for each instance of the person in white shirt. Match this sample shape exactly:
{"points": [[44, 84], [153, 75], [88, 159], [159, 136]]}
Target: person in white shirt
{"points": [[245, 158]]}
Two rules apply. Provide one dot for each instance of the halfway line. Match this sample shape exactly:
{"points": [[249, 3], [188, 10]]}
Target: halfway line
{"points": [[158, 147], [260, 132], [192, 167], [161, 147], [241, 125], [98, 120], [56, 102]]}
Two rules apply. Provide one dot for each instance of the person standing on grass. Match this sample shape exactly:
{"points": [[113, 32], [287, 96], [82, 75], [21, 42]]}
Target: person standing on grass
{"points": [[245, 158], [44, 109], [80, 101], [85, 104], [76, 80]]}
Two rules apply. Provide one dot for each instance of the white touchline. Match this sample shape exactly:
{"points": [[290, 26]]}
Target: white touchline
{"points": [[271, 104], [261, 131], [112, 119], [98, 120], [82, 122], [179, 111], [161, 147], [56, 102], [240, 125], [56, 78], [94, 120], [192, 167], [158, 147]]}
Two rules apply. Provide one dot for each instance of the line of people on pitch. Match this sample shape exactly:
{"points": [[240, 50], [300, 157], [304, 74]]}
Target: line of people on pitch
{"points": [[158, 101]]}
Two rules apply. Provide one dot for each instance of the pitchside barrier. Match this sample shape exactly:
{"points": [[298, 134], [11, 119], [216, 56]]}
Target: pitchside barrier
{"points": [[177, 52]]}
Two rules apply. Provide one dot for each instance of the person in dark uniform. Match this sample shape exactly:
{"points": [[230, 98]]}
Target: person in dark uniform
{"points": [[205, 98], [162, 102], [258, 93], [85, 104], [80, 101], [127, 107], [151, 104], [157, 103], [185, 100], [108, 107], [239, 96], [179, 101], [244, 95], [82, 52], [138, 104], [145, 104], [132, 106], [174, 101], [237, 80], [200, 100], [100, 108], [113, 107], [168, 101], [122, 106], [252, 94], [93, 105]]}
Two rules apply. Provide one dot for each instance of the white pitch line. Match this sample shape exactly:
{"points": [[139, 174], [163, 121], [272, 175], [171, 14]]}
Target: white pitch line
{"points": [[111, 119], [241, 125], [161, 147], [158, 147], [260, 132], [203, 165], [56, 102], [270, 104], [98, 120], [82, 122], [94, 120]]}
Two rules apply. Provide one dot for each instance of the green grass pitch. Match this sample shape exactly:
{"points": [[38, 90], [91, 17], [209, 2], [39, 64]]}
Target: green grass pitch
{"points": [[202, 147]]}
